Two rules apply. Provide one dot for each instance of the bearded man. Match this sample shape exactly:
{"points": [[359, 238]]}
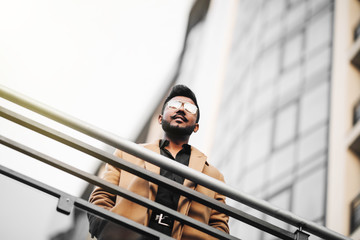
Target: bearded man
{"points": [[179, 119]]}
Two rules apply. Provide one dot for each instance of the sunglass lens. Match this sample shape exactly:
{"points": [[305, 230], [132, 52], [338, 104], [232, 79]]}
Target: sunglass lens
{"points": [[174, 104], [190, 108]]}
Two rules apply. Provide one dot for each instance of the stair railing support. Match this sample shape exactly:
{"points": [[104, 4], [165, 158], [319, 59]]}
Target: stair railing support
{"points": [[300, 235]]}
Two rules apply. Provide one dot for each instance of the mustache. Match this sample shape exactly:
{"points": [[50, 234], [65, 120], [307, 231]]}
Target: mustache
{"points": [[179, 115]]}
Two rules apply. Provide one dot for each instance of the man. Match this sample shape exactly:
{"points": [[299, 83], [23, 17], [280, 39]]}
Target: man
{"points": [[179, 119]]}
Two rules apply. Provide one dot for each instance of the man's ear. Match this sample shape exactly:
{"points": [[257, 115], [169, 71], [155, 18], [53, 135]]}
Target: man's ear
{"points": [[160, 118], [196, 127]]}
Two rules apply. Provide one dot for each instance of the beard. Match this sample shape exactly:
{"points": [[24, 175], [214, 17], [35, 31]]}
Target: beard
{"points": [[176, 130]]}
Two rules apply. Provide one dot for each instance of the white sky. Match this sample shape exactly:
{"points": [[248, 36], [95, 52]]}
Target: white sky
{"points": [[104, 62]]}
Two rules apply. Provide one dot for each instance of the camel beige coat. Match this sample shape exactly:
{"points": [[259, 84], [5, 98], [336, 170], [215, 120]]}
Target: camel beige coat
{"points": [[147, 189]]}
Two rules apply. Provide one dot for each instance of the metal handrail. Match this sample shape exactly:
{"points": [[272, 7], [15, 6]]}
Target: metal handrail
{"points": [[67, 202], [173, 166], [145, 174], [115, 189]]}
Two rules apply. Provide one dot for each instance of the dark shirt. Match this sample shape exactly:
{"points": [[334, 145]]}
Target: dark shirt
{"points": [[165, 196]]}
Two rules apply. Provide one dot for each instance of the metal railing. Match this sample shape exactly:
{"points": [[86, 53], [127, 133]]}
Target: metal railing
{"points": [[147, 155], [67, 202]]}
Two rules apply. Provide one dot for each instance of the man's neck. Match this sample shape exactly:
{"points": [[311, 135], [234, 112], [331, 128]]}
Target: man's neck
{"points": [[176, 143]]}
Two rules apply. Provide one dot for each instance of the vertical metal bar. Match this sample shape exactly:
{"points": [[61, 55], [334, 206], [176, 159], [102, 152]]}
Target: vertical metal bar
{"points": [[300, 235]]}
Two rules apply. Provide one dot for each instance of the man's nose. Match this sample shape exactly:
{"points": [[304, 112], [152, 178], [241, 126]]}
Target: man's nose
{"points": [[182, 108]]}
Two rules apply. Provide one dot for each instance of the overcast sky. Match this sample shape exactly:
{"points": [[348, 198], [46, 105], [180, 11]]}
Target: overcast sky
{"points": [[104, 62]]}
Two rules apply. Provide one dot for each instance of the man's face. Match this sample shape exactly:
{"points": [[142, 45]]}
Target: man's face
{"points": [[179, 121]]}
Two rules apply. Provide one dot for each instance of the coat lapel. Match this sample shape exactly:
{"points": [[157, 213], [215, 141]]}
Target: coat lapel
{"points": [[153, 168], [197, 162]]}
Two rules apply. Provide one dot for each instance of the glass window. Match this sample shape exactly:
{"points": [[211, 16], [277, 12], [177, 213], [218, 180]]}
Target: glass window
{"points": [[292, 51], [318, 4], [259, 139], [289, 84], [264, 100], [317, 63], [247, 92], [284, 182], [295, 16], [309, 195], [272, 33], [281, 163], [269, 66], [314, 107], [234, 165], [285, 125], [318, 32], [273, 9], [314, 163], [313, 143], [254, 178]]}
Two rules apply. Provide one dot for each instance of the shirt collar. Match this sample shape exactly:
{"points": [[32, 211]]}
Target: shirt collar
{"points": [[164, 142]]}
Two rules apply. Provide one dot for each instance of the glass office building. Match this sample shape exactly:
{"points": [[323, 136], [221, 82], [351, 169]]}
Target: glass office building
{"points": [[274, 117], [271, 131]]}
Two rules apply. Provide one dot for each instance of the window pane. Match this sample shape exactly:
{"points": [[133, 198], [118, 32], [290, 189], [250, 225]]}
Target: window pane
{"points": [[292, 51], [272, 33], [317, 63], [264, 100], [289, 84], [254, 178], [318, 33], [269, 66], [295, 16], [273, 9], [309, 195], [259, 140], [281, 163], [312, 143], [314, 107], [285, 127]]}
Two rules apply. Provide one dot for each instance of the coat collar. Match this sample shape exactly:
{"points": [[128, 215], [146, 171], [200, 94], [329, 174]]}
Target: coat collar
{"points": [[197, 160]]}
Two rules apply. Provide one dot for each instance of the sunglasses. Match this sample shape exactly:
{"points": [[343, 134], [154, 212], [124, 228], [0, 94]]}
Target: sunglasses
{"points": [[176, 104]]}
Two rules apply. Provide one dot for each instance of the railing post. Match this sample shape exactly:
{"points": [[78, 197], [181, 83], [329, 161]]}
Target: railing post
{"points": [[300, 235], [65, 204]]}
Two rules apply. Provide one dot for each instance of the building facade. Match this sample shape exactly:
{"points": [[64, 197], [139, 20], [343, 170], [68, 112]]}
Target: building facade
{"points": [[277, 93]]}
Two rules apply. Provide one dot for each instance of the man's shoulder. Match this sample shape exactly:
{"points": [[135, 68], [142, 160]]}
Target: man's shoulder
{"points": [[196, 152], [209, 169], [151, 145], [213, 171]]}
